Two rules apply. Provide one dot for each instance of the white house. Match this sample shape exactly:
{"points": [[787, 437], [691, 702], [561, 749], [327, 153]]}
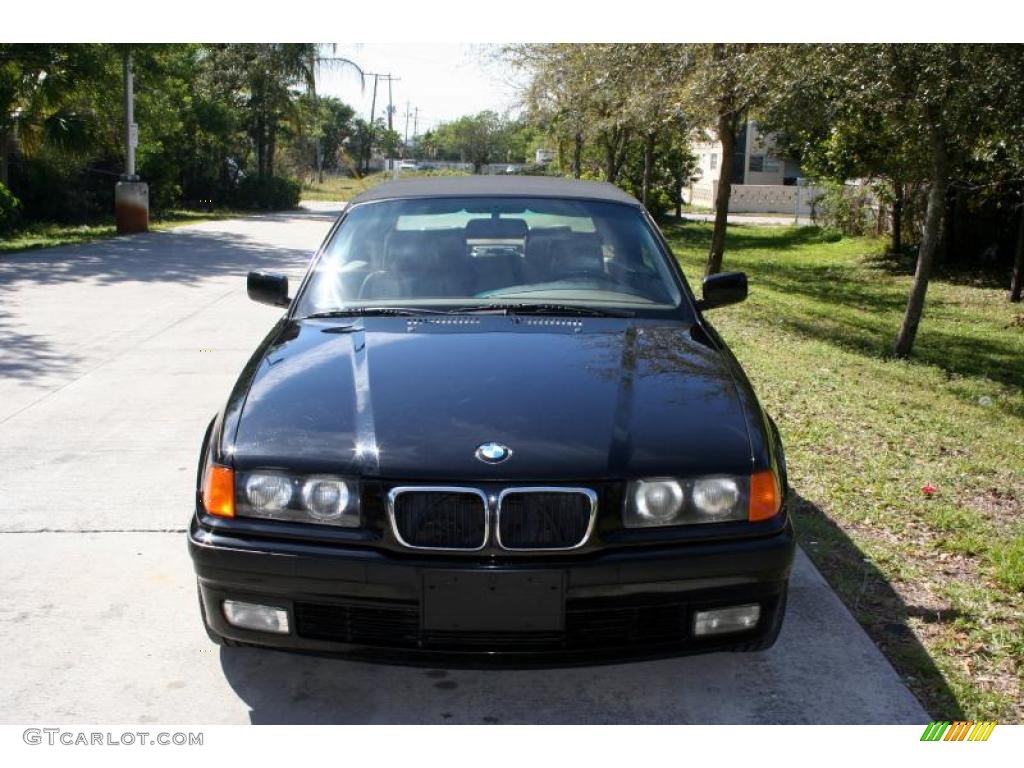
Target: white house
{"points": [[763, 180]]}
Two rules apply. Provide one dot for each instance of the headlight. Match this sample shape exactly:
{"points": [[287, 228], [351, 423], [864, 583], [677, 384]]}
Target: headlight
{"points": [[318, 499], [268, 493], [657, 502], [672, 501], [325, 498], [715, 496]]}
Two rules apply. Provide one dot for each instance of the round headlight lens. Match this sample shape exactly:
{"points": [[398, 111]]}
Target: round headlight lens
{"points": [[715, 496], [268, 493], [658, 501], [325, 499]]}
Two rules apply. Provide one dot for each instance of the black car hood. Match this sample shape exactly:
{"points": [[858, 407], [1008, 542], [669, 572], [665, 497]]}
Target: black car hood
{"points": [[413, 399]]}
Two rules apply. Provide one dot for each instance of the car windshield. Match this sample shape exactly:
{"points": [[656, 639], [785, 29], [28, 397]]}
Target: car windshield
{"points": [[458, 253]]}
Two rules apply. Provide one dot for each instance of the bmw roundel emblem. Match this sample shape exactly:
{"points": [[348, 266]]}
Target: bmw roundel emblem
{"points": [[493, 453]]}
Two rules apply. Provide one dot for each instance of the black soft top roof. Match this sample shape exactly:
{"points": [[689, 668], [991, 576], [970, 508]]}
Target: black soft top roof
{"points": [[492, 186]]}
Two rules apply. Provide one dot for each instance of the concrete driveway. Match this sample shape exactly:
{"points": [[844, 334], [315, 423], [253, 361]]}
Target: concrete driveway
{"points": [[113, 357]]}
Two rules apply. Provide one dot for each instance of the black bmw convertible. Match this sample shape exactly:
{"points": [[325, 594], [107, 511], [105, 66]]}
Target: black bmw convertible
{"points": [[493, 423]]}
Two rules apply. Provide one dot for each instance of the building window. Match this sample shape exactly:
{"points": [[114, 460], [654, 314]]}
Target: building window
{"points": [[757, 163], [714, 160], [771, 164]]}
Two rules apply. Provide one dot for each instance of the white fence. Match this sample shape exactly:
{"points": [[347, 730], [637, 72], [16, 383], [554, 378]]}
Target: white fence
{"points": [[758, 198]]}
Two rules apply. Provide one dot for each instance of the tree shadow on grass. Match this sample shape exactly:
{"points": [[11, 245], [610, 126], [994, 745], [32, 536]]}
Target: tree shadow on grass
{"points": [[877, 607], [831, 287], [742, 237], [872, 331], [994, 275]]}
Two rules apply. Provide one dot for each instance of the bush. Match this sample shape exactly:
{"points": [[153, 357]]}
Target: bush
{"points": [[10, 210], [274, 194], [53, 186], [846, 208], [659, 203]]}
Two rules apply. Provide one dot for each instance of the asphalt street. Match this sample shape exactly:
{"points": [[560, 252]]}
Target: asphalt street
{"points": [[113, 357]]}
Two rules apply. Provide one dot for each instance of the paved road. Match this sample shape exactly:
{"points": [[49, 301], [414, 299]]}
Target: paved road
{"points": [[113, 356]]}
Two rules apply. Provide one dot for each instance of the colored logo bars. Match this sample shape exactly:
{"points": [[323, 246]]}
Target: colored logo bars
{"points": [[960, 730]]}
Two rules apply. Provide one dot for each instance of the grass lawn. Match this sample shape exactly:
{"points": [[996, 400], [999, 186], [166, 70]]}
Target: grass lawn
{"points": [[345, 188], [936, 580], [341, 187], [47, 235]]}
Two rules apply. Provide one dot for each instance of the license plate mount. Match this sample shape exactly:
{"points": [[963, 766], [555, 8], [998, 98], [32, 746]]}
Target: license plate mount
{"points": [[493, 601]]}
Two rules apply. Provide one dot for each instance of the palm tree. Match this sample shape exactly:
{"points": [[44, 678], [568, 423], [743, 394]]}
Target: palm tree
{"points": [[38, 86], [270, 74]]}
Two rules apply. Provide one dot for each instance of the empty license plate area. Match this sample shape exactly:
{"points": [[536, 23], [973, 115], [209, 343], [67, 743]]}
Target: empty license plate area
{"points": [[493, 601]]}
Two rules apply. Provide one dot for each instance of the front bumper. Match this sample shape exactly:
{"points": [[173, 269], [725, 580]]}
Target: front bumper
{"points": [[618, 604]]}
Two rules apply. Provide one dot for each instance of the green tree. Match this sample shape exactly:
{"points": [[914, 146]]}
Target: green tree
{"points": [[336, 129], [211, 117], [42, 95], [478, 139], [556, 97], [725, 82], [833, 136], [270, 75], [946, 99]]}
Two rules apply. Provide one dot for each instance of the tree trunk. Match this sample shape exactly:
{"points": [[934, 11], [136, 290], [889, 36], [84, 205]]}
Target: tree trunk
{"points": [[271, 145], [577, 155], [947, 232], [1017, 281], [897, 217], [616, 142], [727, 137], [261, 146], [5, 148], [934, 214], [623, 149], [645, 189], [678, 180], [609, 159]]}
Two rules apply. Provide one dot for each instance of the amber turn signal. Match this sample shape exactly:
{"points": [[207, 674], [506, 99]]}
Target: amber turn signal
{"points": [[219, 491], [765, 496]]}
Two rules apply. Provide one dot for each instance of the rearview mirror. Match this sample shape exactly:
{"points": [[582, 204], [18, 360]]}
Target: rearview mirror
{"points": [[722, 289], [268, 288]]}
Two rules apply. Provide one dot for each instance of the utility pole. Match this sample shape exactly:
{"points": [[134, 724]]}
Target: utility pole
{"points": [[407, 115], [373, 106], [373, 113], [391, 106], [131, 196], [129, 119], [391, 112]]}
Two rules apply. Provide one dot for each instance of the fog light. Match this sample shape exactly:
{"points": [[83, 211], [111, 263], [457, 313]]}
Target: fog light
{"points": [[261, 618], [723, 620]]}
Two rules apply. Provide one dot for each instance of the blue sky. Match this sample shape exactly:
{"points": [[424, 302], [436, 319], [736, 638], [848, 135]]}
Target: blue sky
{"points": [[443, 80]]}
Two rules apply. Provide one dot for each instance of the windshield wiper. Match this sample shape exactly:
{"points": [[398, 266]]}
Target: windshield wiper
{"points": [[542, 309], [373, 311]]}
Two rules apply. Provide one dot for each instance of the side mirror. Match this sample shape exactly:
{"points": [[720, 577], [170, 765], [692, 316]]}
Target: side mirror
{"points": [[268, 288], [722, 289]]}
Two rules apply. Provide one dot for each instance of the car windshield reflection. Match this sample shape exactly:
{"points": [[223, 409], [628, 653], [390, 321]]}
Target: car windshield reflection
{"points": [[464, 253]]}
